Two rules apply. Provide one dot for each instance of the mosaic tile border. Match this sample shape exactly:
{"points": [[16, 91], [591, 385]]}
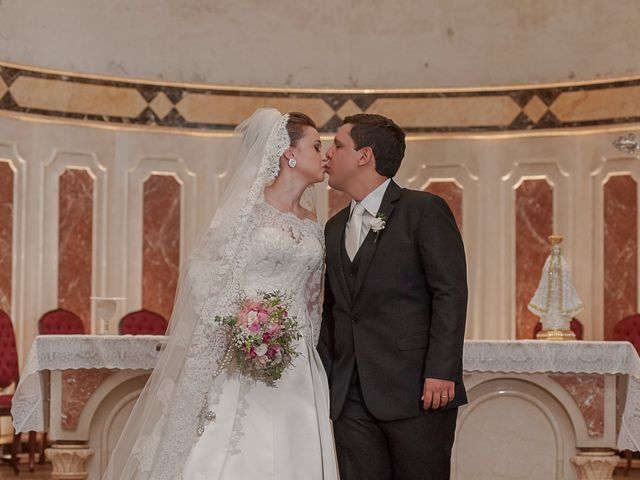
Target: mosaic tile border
{"points": [[27, 90]]}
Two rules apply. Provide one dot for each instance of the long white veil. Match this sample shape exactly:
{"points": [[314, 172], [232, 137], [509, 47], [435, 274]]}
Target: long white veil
{"points": [[161, 429]]}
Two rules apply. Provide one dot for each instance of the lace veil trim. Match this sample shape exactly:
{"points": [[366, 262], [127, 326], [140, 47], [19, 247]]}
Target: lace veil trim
{"points": [[161, 429]]}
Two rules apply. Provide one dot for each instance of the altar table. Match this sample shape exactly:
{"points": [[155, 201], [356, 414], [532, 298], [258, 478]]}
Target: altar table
{"points": [[537, 410]]}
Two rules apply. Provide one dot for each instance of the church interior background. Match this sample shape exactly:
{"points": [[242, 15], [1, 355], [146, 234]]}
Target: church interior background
{"points": [[115, 118]]}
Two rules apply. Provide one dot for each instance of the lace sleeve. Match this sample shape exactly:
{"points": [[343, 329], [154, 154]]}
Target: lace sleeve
{"points": [[314, 303]]}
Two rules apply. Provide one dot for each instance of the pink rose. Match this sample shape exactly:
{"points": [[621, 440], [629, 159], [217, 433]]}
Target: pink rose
{"points": [[254, 327], [272, 352], [266, 337], [263, 316], [273, 329]]}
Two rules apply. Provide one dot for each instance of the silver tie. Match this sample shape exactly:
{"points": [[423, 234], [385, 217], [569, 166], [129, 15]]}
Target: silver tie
{"points": [[354, 231]]}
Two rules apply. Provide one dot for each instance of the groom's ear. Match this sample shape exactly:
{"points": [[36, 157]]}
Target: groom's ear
{"points": [[366, 156]]}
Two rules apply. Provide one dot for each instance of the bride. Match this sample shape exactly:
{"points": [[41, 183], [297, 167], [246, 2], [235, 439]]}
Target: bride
{"points": [[197, 417]]}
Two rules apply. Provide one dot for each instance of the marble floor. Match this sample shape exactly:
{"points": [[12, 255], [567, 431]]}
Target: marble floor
{"points": [[44, 472]]}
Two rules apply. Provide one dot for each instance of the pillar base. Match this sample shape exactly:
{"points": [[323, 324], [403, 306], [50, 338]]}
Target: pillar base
{"points": [[69, 461], [595, 464]]}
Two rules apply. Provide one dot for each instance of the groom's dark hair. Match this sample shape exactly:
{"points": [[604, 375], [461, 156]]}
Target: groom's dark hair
{"points": [[295, 126], [385, 138]]}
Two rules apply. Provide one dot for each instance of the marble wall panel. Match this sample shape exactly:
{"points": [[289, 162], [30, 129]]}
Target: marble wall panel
{"points": [[77, 388], [463, 112], [161, 243], [75, 239], [452, 194], [534, 224], [60, 95], [593, 105], [620, 250], [231, 110], [588, 393], [6, 234]]}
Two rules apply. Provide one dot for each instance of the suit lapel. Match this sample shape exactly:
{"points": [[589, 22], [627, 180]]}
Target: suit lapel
{"points": [[336, 241], [370, 244]]}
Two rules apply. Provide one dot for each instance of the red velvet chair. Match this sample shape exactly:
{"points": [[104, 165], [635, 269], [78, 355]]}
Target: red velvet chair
{"points": [[55, 322], [142, 322], [628, 329], [575, 326], [9, 375], [60, 322]]}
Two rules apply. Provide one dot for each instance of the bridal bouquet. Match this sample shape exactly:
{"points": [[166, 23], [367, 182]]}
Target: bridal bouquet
{"points": [[262, 336]]}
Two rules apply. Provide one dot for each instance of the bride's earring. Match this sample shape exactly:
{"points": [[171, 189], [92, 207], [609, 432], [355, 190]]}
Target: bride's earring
{"points": [[292, 162]]}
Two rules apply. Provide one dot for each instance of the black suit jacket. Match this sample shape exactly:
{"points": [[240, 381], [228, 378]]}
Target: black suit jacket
{"points": [[405, 319]]}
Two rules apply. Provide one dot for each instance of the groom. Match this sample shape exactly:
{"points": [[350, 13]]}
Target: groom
{"points": [[394, 313]]}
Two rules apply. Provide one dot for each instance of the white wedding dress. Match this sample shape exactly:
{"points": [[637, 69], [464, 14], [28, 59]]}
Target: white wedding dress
{"points": [[260, 432], [282, 432]]}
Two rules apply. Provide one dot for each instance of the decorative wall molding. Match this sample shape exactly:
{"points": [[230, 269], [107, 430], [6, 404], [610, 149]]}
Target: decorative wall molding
{"points": [[122, 102], [144, 168], [10, 154]]}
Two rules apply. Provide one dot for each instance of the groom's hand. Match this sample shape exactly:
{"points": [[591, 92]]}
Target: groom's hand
{"points": [[437, 393]]}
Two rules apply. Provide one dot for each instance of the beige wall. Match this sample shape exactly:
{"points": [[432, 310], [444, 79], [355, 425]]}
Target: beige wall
{"points": [[488, 168], [336, 43], [516, 165]]}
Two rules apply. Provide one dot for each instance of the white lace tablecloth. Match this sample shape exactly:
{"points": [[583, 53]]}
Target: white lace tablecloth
{"points": [[65, 352], [72, 352], [534, 356]]}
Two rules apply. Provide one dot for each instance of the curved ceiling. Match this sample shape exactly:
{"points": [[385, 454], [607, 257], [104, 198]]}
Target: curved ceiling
{"points": [[336, 43]]}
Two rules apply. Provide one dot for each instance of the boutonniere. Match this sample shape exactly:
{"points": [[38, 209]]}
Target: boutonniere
{"points": [[378, 223]]}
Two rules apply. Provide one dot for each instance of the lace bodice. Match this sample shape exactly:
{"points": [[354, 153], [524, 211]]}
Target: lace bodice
{"points": [[286, 253]]}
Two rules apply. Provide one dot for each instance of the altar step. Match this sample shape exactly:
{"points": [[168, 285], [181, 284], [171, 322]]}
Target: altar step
{"points": [[43, 472]]}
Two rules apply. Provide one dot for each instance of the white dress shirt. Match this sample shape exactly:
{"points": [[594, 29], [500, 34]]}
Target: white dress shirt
{"points": [[371, 204]]}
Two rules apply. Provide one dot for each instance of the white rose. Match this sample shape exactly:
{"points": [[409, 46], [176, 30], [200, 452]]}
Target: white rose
{"points": [[261, 350], [252, 316], [377, 224]]}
